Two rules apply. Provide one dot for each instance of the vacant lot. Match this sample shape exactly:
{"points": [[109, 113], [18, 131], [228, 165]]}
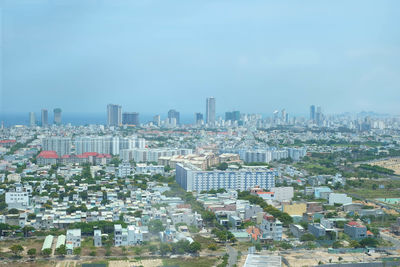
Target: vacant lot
{"points": [[392, 164]]}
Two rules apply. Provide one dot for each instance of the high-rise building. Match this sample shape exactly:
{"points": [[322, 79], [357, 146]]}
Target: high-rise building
{"points": [[157, 120], [312, 113], [57, 116], [32, 119], [198, 117], [130, 118], [318, 116], [173, 114], [114, 117], [232, 116], [45, 118], [61, 145], [192, 178], [210, 110]]}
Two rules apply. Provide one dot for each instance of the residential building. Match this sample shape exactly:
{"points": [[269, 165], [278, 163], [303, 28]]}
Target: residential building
{"points": [[57, 116], [336, 198], [130, 118], [45, 118], [17, 200], [61, 145], [210, 111], [114, 117], [97, 238], [73, 237], [271, 228], [283, 193], [355, 230], [192, 178], [316, 229], [32, 119]]}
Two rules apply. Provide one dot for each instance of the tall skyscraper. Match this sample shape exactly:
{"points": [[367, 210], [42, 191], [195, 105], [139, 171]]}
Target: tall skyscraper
{"points": [[210, 110], [114, 116], [32, 119], [312, 113], [232, 116], [157, 120], [173, 114], [45, 118], [198, 117], [318, 116], [130, 118], [57, 116]]}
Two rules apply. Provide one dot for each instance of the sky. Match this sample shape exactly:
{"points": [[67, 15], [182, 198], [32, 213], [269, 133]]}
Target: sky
{"points": [[152, 56]]}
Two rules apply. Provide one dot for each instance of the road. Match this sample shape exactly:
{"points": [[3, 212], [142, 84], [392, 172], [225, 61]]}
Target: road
{"points": [[232, 256]]}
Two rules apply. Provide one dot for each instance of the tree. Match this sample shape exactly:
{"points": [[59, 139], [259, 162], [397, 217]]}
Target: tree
{"points": [[156, 226], [46, 252], [258, 247], [16, 250], [212, 247], [77, 251], [374, 186], [61, 250], [307, 237], [354, 244], [13, 211], [194, 247], [223, 166], [369, 242], [152, 248], [164, 249], [32, 252]]}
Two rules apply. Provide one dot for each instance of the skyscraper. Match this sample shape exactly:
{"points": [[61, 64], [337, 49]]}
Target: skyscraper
{"points": [[198, 118], [173, 114], [157, 120], [130, 118], [318, 116], [45, 118], [114, 117], [312, 113], [210, 110], [57, 116], [32, 119], [232, 116]]}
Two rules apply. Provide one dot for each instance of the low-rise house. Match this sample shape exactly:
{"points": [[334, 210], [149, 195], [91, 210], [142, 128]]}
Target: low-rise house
{"points": [[97, 242], [271, 228], [316, 229], [297, 230], [73, 237], [336, 198], [355, 230]]}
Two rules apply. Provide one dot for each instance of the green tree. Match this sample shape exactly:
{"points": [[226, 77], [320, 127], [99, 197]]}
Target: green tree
{"points": [[369, 242], [194, 247], [16, 249], [46, 252], [61, 250], [32, 252], [156, 226], [307, 237], [77, 251], [165, 249]]}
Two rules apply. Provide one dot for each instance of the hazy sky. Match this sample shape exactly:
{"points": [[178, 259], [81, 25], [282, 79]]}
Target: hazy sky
{"points": [[150, 56]]}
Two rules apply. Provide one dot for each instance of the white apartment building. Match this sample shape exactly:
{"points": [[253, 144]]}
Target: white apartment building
{"points": [[73, 237], [271, 228], [17, 200], [283, 193], [336, 198], [192, 178], [127, 236], [151, 155]]}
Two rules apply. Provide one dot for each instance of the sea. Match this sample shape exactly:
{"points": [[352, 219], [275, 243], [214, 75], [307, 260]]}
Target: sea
{"points": [[77, 119]]}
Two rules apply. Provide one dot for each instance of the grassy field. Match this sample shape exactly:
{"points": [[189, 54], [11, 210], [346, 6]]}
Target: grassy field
{"points": [[183, 262]]}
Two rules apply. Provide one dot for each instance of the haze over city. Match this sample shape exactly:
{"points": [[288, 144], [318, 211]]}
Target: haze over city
{"points": [[151, 56]]}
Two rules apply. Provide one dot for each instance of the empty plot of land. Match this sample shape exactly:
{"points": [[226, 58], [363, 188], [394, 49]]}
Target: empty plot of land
{"points": [[145, 263], [392, 164]]}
